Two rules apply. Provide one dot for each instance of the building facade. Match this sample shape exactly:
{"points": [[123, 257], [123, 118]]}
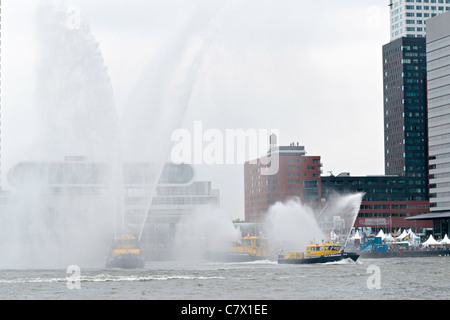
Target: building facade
{"points": [[408, 18], [387, 201], [405, 108], [298, 176], [438, 69], [438, 43]]}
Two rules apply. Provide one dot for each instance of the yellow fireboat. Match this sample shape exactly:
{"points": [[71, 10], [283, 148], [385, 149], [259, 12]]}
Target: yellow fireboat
{"points": [[125, 253], [317, 253], [251, 248]]}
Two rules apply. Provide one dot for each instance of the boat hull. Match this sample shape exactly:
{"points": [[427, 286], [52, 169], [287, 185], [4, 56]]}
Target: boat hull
{"points": [[126, 261], [406, 254], [234, 257], [321, 259]]}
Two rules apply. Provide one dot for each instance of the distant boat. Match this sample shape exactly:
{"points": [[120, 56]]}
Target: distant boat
{"points": [[317, 253], [125, 253], [251, 248]]}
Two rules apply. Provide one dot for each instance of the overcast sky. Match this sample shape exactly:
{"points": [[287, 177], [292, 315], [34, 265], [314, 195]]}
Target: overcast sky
{"points": [[310, 69]]}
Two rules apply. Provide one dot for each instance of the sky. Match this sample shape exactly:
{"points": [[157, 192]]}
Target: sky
{"points": [[311, 70]]}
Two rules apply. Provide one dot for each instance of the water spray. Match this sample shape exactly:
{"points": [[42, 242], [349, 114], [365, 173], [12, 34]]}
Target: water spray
{"points": [[186, 91]]}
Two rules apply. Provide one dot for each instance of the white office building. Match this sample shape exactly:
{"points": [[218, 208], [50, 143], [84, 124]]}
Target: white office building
{"points": [[408, 17]]}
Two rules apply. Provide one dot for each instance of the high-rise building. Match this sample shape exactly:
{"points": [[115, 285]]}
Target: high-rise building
{"points": [[408, 17], [438, 42], [298, 176], [438, 83], [405, 107]]}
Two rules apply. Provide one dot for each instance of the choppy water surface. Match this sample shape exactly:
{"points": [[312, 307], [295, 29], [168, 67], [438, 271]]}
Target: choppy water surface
{"points": [[405, 278]]}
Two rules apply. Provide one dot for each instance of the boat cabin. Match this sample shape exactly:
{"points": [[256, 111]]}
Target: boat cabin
{"points": [[253, 245], [316, 249], [125, 244]]}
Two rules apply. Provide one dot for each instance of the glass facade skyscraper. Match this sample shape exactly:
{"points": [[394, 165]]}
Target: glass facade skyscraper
{"points": [[405, 107]]}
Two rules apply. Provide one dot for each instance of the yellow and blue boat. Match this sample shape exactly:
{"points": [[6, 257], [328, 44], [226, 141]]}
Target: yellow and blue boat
{"points": [[250, 248], [317, 253]]}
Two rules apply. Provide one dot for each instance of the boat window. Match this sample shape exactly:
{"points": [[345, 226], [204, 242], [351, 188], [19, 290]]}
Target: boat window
{"points": [[328, 248]]}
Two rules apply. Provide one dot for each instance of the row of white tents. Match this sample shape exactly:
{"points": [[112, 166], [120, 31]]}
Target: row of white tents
{"points": [[406, 237], [431, 241]]}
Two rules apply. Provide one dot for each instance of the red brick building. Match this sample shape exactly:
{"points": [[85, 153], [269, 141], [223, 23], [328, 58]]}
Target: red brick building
{"points": [[390, 215], [298, 176], [388, 200]]}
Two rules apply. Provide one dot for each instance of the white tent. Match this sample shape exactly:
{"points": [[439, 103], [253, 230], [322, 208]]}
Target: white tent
{"points": [[389, 238], [446, 240], [404, 234], [381, 235], [412, 237], [356, 235], [430, 242]]}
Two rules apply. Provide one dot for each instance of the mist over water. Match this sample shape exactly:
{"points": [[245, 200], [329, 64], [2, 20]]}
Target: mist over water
{"points": [[35, 234], [289, 226], [340, 214], [51, 221], [292, 224], [208, 229]]}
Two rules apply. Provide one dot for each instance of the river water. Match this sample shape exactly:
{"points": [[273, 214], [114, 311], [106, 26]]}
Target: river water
{"points": [[379, 279]]}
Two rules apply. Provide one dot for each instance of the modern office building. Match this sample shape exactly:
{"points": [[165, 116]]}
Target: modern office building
{"points": [[438, 69], [438, 44], [298, 176], [405, 107], [408, 17], [387, 200], [410, 115]]}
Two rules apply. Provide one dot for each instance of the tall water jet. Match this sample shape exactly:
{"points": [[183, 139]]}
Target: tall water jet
{"points": [[66, 199], [339, 216], [207, 229], [292, 225], [59, 212], [74, 94], [161, 97]]}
